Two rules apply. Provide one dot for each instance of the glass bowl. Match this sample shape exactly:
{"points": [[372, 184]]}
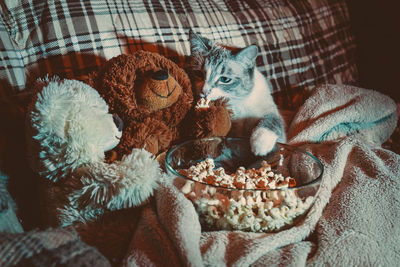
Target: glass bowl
{"points": [[274, 203]]}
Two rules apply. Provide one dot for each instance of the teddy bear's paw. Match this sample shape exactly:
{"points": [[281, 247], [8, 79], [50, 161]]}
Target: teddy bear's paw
{"points": [[142, 173], [215, 120], [122, 184], [262, 141], [152, 135]]}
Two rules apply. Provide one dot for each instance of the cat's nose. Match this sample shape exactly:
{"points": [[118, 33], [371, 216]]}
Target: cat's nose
{"points": [[205, 91]]}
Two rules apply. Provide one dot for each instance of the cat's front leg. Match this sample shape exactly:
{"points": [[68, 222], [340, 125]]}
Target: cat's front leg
{"points": [[269, 131], [262, 141]]}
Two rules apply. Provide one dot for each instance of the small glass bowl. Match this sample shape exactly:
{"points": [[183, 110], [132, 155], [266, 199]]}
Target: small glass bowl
{"points": [[254, 210]]}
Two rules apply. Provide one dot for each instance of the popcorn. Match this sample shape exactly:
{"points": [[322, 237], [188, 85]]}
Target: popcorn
{"points": [[203, 103], [255, 210], [242, 178], [187, 188]]}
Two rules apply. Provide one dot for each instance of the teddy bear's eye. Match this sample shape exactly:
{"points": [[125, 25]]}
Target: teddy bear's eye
{"points": [[224, 79]]}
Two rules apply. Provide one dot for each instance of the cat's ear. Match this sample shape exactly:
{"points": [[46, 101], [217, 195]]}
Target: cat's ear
{"points": [[248, 54], [199, 45]]}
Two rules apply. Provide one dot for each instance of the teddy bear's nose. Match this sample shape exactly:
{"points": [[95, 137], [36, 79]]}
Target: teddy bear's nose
{"points": [[160, 75], [118, 122]]}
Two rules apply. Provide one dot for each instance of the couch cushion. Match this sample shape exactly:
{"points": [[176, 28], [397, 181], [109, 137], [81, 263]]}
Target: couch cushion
{"points": [[302, 43]]}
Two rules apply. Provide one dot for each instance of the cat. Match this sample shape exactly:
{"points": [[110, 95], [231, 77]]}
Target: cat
{"points": [[235, 77]]}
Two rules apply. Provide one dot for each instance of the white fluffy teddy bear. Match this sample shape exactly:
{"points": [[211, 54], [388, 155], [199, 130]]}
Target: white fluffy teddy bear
{"points": [[69, 131]]}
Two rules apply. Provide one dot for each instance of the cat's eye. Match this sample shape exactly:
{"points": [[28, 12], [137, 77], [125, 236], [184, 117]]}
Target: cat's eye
{"points": [[224, 79]]}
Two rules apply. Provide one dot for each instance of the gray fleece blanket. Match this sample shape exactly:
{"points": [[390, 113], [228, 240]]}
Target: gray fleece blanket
{"points": [[353, 222]]}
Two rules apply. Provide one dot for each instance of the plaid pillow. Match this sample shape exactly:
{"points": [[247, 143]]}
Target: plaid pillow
{"points": [[302, 43]]}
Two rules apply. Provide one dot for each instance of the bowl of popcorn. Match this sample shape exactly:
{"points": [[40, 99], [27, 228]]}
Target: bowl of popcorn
{"points": [[232, 189]]}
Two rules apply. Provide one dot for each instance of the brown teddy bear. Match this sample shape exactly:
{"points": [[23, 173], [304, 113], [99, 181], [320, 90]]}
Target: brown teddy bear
{"points": [[153, 97]]}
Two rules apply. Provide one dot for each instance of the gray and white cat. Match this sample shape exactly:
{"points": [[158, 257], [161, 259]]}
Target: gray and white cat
{"points": [[235, 77]]}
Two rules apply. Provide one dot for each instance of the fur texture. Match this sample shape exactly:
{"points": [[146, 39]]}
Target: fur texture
{"points": [[70, 129], [98, 187], [215, 120]]}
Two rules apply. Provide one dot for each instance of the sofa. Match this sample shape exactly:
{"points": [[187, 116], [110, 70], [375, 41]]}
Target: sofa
{"points": [[308, 51]]}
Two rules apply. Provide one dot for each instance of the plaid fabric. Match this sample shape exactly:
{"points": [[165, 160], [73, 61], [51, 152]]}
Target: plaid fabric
{"points": [[51, 247], [302, 43]]}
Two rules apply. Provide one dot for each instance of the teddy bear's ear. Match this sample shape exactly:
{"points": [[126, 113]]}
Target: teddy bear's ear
{"points": [[58, 127]]}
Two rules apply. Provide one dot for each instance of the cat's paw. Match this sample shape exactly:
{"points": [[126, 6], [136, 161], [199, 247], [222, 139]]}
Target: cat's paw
{"points": [[262, 141]]}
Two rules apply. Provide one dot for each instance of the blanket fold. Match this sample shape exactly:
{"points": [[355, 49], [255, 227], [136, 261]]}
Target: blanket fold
{"points": [[360, 226], [344, 127], [52, 247], [334, 111]]}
